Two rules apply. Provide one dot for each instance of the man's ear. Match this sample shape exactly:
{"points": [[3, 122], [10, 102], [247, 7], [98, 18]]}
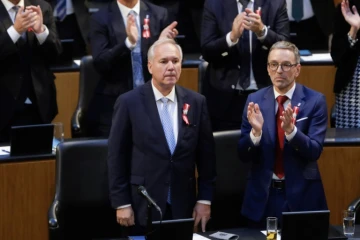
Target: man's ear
{"points": [[149, 67]]}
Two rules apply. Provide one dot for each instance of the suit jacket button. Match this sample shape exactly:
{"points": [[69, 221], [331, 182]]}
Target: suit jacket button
{"points": [[233, 86], [238, 66]]}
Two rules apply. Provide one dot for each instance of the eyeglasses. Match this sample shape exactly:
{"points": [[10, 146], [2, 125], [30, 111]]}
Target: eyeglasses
{"points": [[284, 66]]}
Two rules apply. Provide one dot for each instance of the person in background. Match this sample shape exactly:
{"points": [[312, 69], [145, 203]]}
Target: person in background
{"points": [[120, 35], [235, 39], [312, 22], [160, 133], [345, 52], [282, 136], [28, 44]]}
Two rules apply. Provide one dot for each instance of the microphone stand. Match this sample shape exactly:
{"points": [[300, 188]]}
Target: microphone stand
{"points": [[149, 219]]}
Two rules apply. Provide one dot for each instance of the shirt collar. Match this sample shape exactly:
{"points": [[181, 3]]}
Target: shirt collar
{"points": [[250, 1], [158, 94], [9, 5], [125, 10], [289, 93]]}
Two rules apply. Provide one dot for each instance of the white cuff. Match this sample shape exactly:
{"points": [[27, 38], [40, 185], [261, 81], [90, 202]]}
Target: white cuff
{"points": [[291, 135], [14, 35], [204, 202], [255, 140], [229, 42], [124, 206], [129, 45], [41, 37]]}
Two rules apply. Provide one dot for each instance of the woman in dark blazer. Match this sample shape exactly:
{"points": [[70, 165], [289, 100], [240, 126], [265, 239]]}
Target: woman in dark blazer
{"points": [[345, 52]]}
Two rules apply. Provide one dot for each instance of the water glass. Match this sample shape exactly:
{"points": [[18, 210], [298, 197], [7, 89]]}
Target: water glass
{"points": [[58, 134], [271, 228], [349, 223]]}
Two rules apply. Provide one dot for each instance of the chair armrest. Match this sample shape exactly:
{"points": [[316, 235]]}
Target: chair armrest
{"points": [[75, 124], [354, 205], [52, 218]]}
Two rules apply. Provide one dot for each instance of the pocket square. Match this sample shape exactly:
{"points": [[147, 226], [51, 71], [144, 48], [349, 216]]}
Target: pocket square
{"points": [[301, 119]]}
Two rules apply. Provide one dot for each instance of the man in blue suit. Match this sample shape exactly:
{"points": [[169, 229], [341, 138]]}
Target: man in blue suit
{"points": [[282, 135], [160, 133]]}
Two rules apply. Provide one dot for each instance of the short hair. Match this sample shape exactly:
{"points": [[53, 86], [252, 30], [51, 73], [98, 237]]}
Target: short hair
{"points": [[162, 41], [289, 46]]}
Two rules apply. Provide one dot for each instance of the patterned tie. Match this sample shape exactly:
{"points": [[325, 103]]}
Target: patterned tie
{"points": [[136, 60], [60, 9], [166, 121], [279, 164], [245, 55], [297, 10]]}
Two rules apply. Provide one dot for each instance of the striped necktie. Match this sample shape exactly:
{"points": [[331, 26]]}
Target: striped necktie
{"points": [[60, 9]]}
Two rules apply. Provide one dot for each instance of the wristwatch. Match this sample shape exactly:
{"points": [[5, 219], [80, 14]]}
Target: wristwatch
{"points": [[262, 32]]}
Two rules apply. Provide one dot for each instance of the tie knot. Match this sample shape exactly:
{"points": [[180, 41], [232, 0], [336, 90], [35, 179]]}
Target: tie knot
{"points": [[281, 99], [16, 8], [132, 12], [164, 100], [244, 3]]}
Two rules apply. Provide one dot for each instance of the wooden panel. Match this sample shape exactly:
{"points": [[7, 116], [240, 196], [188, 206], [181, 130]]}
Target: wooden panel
{"points": [[67, 88], [339, 167], [336, 2], [26, 192], [189, 78], [321, 79]]}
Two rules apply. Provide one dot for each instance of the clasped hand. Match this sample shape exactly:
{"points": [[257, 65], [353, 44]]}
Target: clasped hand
{"points": [[31, 18]]}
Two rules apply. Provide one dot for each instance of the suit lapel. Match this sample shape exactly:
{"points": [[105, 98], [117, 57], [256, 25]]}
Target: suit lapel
{"points": [[181, 99], [4, 17], [268, 111], [117, 22], [153, 113], [232, 11], [298, 97]]}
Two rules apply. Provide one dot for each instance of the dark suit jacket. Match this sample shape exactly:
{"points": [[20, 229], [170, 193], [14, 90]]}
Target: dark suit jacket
{"points": [[304, 189], [324, 12], [112, 58], [139, 154], [223, 70], [344, 56], [40, 56]]}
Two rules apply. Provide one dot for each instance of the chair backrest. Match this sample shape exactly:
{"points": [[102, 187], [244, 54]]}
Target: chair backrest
{"points": [[201, 75], [89, 79], [82, 193], [230, 182]]}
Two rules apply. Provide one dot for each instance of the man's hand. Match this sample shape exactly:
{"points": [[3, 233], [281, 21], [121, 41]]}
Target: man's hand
{"points": [[255, 118], [237, 27], [170, 31], [38, 26], [125, 216], [24, 20], [132, 30], [253, 22], [287, 125], [201, 213]]}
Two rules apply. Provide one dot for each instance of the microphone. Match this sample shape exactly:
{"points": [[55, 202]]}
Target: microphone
{"points": [[142, 191]]}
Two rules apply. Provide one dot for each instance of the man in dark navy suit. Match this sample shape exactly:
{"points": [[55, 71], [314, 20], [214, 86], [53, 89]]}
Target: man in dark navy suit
{"points": [[282, 135], [160, 133]]}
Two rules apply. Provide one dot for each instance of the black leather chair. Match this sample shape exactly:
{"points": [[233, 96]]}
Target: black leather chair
{"points": [[230, 183], [201, 75], [89, 79], [81, 207], [355, 206]]}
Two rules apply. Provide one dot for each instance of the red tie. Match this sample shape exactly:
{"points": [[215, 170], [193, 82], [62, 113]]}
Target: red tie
{"points": [[279, 166]]}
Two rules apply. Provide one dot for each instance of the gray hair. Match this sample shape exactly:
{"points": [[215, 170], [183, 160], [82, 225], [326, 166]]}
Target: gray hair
{"points": [[162, 41], [289, 46]]}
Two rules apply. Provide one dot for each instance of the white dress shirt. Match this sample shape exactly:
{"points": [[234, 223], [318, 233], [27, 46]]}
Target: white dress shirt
{"points": [[289, 94], [124, 13], [307, 9], [252, 85]]}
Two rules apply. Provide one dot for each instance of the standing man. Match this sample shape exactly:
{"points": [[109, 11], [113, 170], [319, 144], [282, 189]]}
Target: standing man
{"points": [[73, 23], [121, 34], [28, 44], [283, 150], [312, 21], [235, 39], [160, 133]]}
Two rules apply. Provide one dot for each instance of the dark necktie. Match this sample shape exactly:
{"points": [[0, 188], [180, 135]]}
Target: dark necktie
{"points": [[245, 54], [279, 161], [297, 10]]}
